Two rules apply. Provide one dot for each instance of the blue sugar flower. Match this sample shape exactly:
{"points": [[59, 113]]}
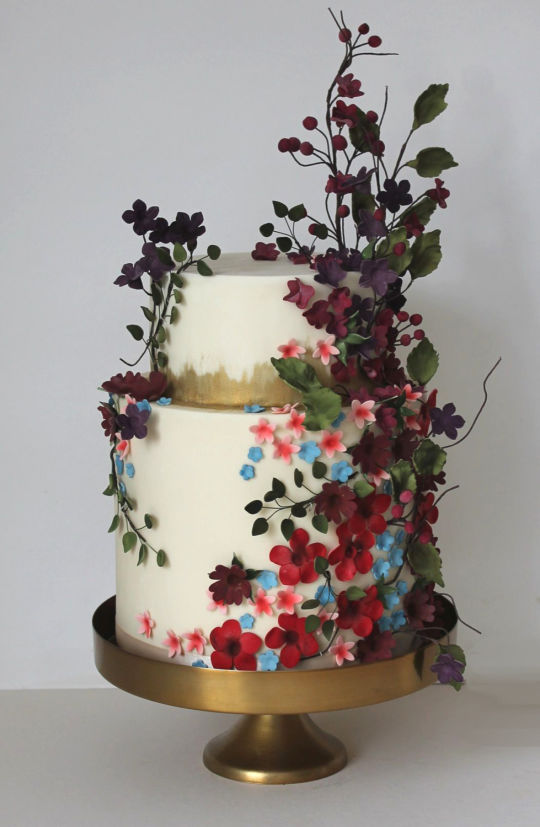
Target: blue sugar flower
{"points": [[401, 587], [385, 541], [130, 469], [200, 663], [268, 661], [119, 464], [391, 600], [164, 400], [338, 420], [385, 624], [144, 405], [400, 536], [395, 558], [246, 621], [341, 471], [387, 487], [380, 568], [309, 451], [255, 454], [398, 619], [122, 488], [324, 594], [253, 408], [247, 472], [267, 579]]}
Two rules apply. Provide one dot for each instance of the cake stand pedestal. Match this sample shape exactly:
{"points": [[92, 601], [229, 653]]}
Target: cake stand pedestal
{"points": [[275, 742]]}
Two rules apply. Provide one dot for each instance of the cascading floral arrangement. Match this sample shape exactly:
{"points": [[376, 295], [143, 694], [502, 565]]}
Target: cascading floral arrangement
{"points": [[375, 230]]}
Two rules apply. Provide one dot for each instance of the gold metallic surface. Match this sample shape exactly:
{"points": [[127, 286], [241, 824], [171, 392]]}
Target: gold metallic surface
{"points": [[218, 390], [275, 701]]}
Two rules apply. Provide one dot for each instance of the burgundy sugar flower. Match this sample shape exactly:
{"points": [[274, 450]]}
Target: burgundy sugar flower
{"points": [[419, 608], [372, 453], [297, 562], [371, 508], [359, 615], [405, 444], [264, 252], [378, 646], [413, 226], [299, 293], [439, 193], [329, 270], [337, 502], [426, 515], [345, 115], [234, 649], [132, 422], [352, 555], [348, 86], [318, 314], [109, 423], [386, 419], [292, 636], [231, 585], [138, 386], [142, 217]]}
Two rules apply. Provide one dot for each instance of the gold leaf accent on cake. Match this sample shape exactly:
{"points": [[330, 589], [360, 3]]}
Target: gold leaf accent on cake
{"points": [[217, 389]]}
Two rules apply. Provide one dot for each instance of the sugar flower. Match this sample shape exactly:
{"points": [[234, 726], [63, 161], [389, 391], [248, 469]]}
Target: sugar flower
{"points": [[130, 470], [234, 648], [288, 599], [220, 605], [246, 621], [164, 401], [267, 579], [195, 641], [361, 412], [401, 587], [264, 252], [284, 449], [268, 661], [398, 619], [326, 348], [331, 442], [146, 624], [297, 562], [299, 293], [380, 568], [255, 454], [253, 408], [341, 471], [448, 669], [119, 463], [247, 472], [263, 602], [309, 451], [342, 650], [231, 585], [263, 430], [292, 350], [285, 409], [295, 423], [385, 541], [174, 643], [325, 594], [200, 663], [395, 558], [123, 447], [293, 640]]}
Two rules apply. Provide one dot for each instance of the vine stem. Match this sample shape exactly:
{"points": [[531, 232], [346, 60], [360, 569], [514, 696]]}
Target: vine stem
{"points": [[482, 406]]}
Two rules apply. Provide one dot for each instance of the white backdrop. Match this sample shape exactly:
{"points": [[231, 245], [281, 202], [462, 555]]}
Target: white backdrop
{"points": [[182, 104]]}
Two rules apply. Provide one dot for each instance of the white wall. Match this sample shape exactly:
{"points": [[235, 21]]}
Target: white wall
{"points": [[182, 104]]}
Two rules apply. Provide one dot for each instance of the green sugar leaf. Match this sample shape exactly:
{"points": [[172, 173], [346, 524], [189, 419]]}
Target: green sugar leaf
{"points": [[253, 507], [432, 161], [148, 313], [174, 314], [454, 650], [430, 104], [136, 331], [426, 254], [266, 230], [287, 528], [296, 373], [114, 524], [298, 478], [319, 469], [143, 551], [312, 623], [322, 407], [157, 293], [422, 362], [179, 253], [328, 629], [278, 488], [429, 458], [161, 335], [161, 558], [297, 213], [284, 243], [298, 510], [320, 523], [364, 127], [426, 561], [177, 280], [320, 565], [203, 269], [362, 488], [355, 593], [162, 359], [260, 526], [214, 252], [280, 209], [310, 604], [403, 478], [129, 540], [148, 521]]}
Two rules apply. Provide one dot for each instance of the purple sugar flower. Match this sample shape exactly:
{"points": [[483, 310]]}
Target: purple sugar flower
{"points": [[446, 421], [369, 226], [142, 217], [448, 669], [395, 195], [329, 271], [131, 275], [133, 422], [377, 275]]}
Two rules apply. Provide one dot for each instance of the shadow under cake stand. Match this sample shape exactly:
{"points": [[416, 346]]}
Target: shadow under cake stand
{"points": [[275, 742]]}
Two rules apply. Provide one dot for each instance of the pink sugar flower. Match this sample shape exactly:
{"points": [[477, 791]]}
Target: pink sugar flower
{"points": [[195, 640], [174, 643], [287, 599], [412, 423], [331, 442], [284, 449], [216, 604], [361, 412], [263, 602], [146, 624], [410, 395], [376, 477], [285, 409], [292, 350], [342, 650], [326, 348], [263, 430], [123, 447], [295, 423]]}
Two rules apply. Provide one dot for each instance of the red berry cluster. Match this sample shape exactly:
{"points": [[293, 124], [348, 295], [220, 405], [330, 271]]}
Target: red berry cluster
{"points": [[413, 320]]}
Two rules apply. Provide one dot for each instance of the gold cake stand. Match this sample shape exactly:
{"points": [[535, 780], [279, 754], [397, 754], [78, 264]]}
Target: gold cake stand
{"points": [[275, 742]]}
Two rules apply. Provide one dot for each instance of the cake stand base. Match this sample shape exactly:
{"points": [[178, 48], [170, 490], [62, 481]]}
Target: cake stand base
{"points": [[275, 749]]}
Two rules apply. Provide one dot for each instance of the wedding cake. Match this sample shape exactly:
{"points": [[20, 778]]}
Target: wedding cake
{"points": [[276, 472]]}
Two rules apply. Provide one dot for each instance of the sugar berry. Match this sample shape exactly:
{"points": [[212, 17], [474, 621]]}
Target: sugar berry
{"points": [[306, 148], [345, 35], [284, 145], [310, 122], [363, 28], [374, 41], [397, 511], [419, 334], [342, 211], [399, 248], [339, 142], [416, 319], [372, 116], [409, 527], [294, 144], [402, 316], [405, 339], [312, 229], [406, 496], [378, 215]]}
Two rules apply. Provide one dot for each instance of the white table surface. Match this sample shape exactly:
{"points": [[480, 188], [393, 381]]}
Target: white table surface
{"points": [[102, 757]]}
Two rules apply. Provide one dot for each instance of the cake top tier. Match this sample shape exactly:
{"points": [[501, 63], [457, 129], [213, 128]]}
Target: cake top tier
{"points": [[230, 325]]}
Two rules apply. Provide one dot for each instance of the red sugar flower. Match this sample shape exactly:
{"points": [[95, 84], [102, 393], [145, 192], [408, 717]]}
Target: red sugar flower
{"points": [[232, 585], [296, 562], [439, 194], [137, 386], [426, 515], [344, 115], [413, 226], [294, 639], [264, 252], [287, 600], [299, 293], [336, 502], [372, 453], [331, 442], [371, 508], [352, 556], [378, 646], [359, 615], [348, 86], [234, 649]]}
